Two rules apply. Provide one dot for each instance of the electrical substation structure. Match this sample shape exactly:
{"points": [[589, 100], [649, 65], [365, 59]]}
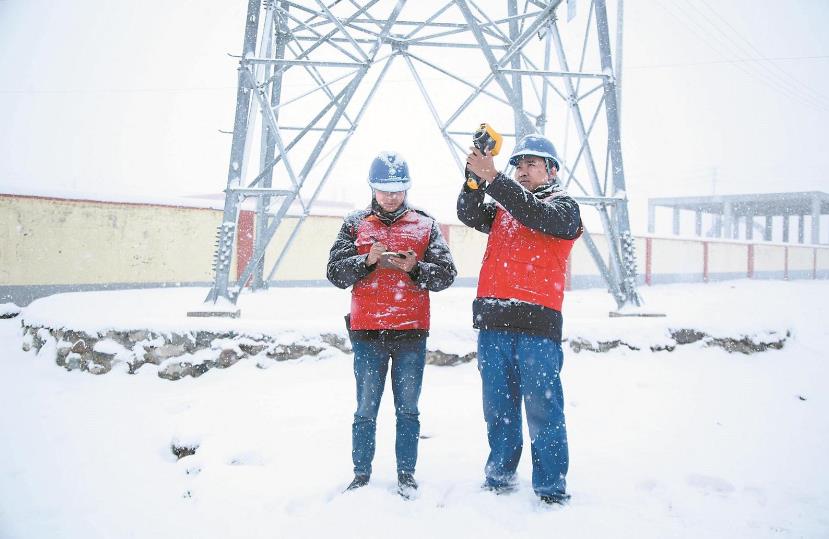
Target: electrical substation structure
{"points": [[310, 69]]}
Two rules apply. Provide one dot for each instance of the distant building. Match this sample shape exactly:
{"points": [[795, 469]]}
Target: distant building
{"points": [[737, 216]]}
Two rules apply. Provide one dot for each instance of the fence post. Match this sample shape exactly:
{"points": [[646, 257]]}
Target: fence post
{"points": [[814, 263], [705, 261]]}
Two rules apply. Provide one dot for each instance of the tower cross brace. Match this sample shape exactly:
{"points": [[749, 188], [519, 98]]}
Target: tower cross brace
{"points": [[310, 70]]}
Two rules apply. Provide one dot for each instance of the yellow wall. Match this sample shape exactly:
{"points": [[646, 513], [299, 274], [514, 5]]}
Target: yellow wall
{"points": [[676, 256], [769, 258], [467, 247], [823, 259], [727, 258], [801, 258], [581, 261], [52, 241], [308, 255], [47, 241]]}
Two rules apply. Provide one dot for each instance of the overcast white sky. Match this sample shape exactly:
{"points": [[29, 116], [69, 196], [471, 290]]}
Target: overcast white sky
{"points": [[129, 97]]}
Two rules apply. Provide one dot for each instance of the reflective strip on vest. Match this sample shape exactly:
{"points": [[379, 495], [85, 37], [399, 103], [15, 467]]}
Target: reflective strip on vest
{"points": [[389, 298]]}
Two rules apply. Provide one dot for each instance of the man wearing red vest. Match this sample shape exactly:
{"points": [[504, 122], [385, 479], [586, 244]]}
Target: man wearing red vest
{"points": [[532, 225], [392, 256]]}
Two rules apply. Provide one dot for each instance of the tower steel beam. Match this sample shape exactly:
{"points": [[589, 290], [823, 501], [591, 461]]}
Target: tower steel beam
{"points": [[312, 68], [227, 230]]}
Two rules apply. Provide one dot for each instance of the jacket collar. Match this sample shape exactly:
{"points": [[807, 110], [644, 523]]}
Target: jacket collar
{"points": [[385, 217], [548, 189]]}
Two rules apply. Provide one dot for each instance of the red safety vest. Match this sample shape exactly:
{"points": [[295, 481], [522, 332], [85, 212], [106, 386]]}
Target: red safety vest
{"points": [[389, 298], [524, 264]]}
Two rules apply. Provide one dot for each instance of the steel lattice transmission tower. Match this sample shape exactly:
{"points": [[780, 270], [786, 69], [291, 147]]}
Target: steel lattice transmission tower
{"points": [[310, 69]]}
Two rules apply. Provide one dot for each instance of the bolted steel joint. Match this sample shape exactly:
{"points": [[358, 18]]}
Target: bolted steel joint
{"points": [[397, 43]]}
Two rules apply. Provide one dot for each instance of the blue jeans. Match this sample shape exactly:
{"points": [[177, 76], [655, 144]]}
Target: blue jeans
{"points": [[515, 365], [371, 362]]}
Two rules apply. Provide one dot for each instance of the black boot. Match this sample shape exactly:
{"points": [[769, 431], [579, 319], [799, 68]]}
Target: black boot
{"points": [[406, 485], [358, 482], [500, 489], [555, 499]]}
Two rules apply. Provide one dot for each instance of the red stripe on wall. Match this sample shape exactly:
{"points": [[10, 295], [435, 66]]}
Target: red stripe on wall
{"points": [[705, 261], [750, 269], [244, 241], [648, 261]]}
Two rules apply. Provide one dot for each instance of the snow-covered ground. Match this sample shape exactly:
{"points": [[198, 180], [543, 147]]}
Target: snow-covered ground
{"points": [[691, 443]]}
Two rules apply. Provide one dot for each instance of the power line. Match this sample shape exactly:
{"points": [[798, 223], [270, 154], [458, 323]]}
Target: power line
{"points": [[784, 74], [749, 69], [775, 79], [705, 35], [114, 90], [734, 61]]}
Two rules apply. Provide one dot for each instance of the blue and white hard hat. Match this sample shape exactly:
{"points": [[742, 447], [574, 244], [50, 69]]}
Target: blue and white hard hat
{"points": [[389, 172], [535, 145]]}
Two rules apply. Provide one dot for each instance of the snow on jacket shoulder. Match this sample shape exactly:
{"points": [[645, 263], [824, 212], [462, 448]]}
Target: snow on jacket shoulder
{"points": [[558, 217]]}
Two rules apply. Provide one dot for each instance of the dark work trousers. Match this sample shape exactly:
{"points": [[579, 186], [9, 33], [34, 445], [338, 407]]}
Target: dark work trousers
{"points": [[371, 362], [515, 366]]}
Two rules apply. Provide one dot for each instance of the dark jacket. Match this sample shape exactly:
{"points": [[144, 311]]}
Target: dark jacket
{"points": [[345, 266], [559, 217]]}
